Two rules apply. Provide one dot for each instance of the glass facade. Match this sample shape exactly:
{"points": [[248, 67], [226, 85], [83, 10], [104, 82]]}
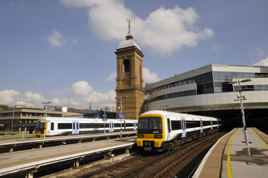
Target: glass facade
{"points": [[211, 82], [174, 95], [222, 79], [204, 83]]}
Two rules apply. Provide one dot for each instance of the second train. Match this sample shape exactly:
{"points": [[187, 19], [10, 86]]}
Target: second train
{"points": [[163, 130]]}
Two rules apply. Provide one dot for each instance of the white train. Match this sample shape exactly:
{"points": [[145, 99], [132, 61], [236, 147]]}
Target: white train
{"points": [[52, 126], [160, 130]]}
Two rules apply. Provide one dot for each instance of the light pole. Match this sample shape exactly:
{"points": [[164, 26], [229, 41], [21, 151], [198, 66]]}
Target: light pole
{"points": [[12, 121], [241, 98], [45, 103], [121, 97], [164, 107]]}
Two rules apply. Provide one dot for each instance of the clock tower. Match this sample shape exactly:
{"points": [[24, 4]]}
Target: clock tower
{"points": [[129, 81]]}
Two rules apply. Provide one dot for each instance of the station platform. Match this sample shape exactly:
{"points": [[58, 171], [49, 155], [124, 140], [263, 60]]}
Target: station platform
{"points": [[11, 144], [229, 156], [31, 160]]}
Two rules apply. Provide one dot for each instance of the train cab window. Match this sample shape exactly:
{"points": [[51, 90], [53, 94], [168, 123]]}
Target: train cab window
{"points": [[40, 126], [52, 125], [150, 125]]}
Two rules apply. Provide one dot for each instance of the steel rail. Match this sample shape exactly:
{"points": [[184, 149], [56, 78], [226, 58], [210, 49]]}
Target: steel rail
{"points": [[177, 160], [138, 167]]}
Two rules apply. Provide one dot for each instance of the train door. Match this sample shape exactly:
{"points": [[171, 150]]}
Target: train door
{"points": [[201, 125], [211, 124], [183, 127], [111, 126], [135, 126], [169, 129], [52, 130], [75, 127]]}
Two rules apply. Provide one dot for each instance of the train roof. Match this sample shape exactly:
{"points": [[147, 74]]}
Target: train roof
{"points": [[77, 119], [176, 114]]}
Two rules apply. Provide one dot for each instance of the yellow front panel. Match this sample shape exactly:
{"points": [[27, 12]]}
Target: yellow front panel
{"points": [[150, 137]]}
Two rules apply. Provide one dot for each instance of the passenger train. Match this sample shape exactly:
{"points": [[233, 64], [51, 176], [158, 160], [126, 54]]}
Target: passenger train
{"points": [[163, 130], [52, 126]]}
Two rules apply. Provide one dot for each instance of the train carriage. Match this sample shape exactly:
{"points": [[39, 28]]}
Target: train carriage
{"points": [[52, 126], [160, 130]]}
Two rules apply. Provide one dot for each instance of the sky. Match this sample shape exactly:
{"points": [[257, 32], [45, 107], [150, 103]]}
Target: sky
{"points": [[62, 51]]}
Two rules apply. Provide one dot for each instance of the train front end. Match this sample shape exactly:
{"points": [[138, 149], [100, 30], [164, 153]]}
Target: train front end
{"points": [[41, 128], [151, 132]]}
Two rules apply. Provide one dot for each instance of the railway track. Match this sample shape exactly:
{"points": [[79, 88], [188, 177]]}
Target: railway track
{"points": [[157, 165]]}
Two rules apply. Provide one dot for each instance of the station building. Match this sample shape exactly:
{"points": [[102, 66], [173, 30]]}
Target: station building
{"points": [[211, 90], [22, 120]]}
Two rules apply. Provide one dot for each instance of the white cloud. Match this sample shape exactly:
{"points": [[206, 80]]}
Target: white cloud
{"points": [[56, 101], [9, 97], [37, 81], [56, 39], [74, 41], [33, 99], [149, 77], [215, 48], [162, 32], [64, 102], [263, 62], [112, 76], [260, 51], [100, 100], [81, 88]]}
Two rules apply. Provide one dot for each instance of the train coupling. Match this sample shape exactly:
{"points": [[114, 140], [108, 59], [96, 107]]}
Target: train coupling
{"points": [[147, 145]]}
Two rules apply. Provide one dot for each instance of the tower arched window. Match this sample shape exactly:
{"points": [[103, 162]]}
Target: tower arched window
{"points": [[126, 68]]}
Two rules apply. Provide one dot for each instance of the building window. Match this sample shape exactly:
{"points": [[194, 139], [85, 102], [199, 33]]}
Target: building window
{"points": [[126, 68]]}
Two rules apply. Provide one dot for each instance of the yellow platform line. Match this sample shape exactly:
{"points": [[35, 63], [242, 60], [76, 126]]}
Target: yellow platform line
{"points": [[229, 169], [259, 139]]}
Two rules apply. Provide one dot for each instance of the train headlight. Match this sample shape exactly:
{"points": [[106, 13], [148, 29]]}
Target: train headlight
{"points": [[140, 136], [158, 136]]}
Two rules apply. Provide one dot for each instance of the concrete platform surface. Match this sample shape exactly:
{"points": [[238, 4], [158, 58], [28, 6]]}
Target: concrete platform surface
{"points": [[237, 163], [28, 159], [229, 156]]}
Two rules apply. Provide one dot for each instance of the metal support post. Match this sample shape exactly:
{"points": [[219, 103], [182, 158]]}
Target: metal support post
{"points": [[121, 97], [121, 119], [243, 118]]}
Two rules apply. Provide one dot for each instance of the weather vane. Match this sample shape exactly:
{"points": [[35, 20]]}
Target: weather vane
{"points": [[129, 32]]}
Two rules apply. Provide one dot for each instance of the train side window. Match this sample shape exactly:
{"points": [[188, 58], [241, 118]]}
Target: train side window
{"points": [[65, 126], [52, 125], [175, 125], [168, 120]]}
